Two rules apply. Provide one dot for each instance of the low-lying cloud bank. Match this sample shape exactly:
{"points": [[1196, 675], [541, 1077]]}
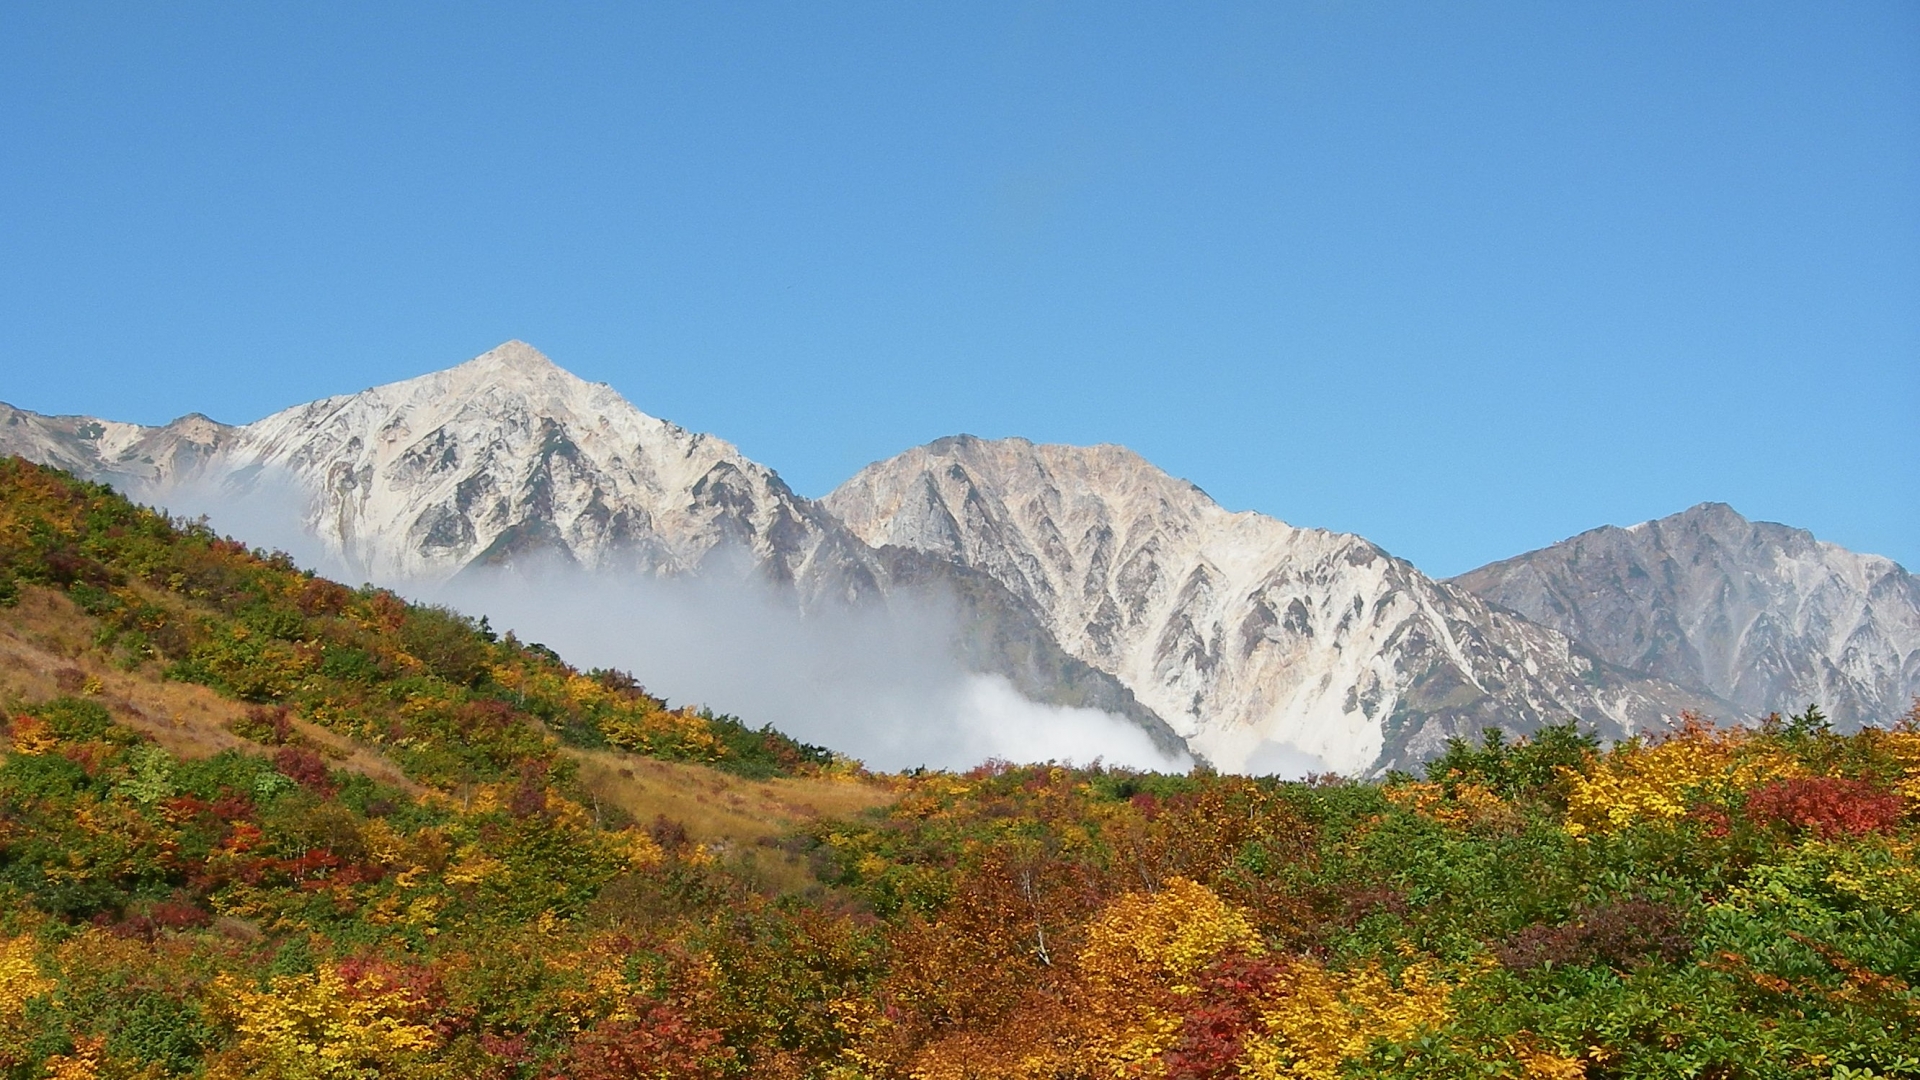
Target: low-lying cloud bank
{"points": [[878, 683]]}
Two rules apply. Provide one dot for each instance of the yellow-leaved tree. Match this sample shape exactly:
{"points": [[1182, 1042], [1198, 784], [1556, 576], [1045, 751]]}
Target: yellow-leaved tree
{"points": [[320, 1027], [1313, 1019], [1659, 781], [1143, 953]]}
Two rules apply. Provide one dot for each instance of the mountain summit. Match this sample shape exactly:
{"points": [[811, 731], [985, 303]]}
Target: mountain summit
{"points": [[1247, 634], [1760, 614], [507, 456]]}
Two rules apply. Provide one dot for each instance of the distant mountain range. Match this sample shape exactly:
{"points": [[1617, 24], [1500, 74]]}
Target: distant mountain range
{"points": [[1762, 615], [1084, 574]]}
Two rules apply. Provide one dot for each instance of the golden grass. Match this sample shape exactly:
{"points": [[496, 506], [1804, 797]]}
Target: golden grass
{"points": [[735, 817], [46, 649]]}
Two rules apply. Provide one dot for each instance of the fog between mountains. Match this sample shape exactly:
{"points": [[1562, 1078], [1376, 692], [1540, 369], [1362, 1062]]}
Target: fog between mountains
{"points": [[879, 684]]}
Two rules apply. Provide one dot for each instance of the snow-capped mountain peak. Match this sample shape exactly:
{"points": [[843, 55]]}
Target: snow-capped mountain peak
{"points": [[508, 454], [1084, 574]]}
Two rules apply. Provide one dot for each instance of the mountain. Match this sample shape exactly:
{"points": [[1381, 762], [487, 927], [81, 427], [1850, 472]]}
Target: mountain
{"points": [[1083, 574], [507, 455], [1762, 615], [107, 450], [509, 460], [504, 457], [1249, 636]]}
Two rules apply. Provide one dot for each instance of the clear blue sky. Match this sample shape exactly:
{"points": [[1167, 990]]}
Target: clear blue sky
{"points": [[1464, 278]]}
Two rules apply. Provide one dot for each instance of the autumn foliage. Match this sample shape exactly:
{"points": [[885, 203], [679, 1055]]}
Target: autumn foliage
{"points": [[1712, 901], [1827, 806]]}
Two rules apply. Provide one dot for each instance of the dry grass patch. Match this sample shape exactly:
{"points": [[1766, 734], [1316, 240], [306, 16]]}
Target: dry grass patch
{"points": [[46, 650], [739, 819]]}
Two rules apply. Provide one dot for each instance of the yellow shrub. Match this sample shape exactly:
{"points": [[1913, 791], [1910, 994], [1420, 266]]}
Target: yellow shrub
{"points": [[1315, 1019], [471, 866], [316, 1027], [1639, 782], [82, 1064], [1470, 804], [641, 850], [1164, 938], [20, 978], [31, 736], [1905, 747], [1874, 871], [1143, 947]]}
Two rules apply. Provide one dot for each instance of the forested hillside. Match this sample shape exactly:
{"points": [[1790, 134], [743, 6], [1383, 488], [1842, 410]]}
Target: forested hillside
{"points": [[255, 823]]}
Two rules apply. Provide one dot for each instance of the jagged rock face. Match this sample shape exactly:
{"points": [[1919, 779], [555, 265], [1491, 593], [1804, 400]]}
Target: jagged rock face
{"points": [[503, 457], [1242, 632], [107, 450], [1084, 574], [1760, 614], [508, 455]]}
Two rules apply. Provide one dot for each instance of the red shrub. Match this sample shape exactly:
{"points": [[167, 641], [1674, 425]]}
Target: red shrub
{"points": [[530, 795], [304, 767], [372, 975], [1826, 805], [671, 835], [1622, 935], [1716, 819], [507, 1054], [178, 914], [322, 597], [1217, 1019], [486, 716], [231, 806], [172, 914], [664, 1043]]}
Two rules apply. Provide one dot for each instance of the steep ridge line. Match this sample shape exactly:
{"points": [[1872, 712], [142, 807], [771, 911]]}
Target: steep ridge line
{"points": [[1252, 637], [1758, 613], [509, 462]]}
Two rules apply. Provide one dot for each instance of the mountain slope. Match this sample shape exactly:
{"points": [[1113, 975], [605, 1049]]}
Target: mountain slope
{"points": [[507, 455], [1246, 634], [499, 458], [254, 823], [1760, 614], [510, 460], [110, 451]]}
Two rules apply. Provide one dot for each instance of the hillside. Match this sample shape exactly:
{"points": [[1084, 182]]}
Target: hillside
{"points": [[257, 824], [508, 463]]}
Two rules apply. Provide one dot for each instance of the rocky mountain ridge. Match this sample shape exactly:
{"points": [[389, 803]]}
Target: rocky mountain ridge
{"points": [[1760, 614], [128, 455], [503, 457], [1084, 574], [1250, 636], [508, 461]]}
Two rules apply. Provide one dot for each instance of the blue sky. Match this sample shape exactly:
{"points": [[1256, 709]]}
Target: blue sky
{"points": [[1463, 278]]}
